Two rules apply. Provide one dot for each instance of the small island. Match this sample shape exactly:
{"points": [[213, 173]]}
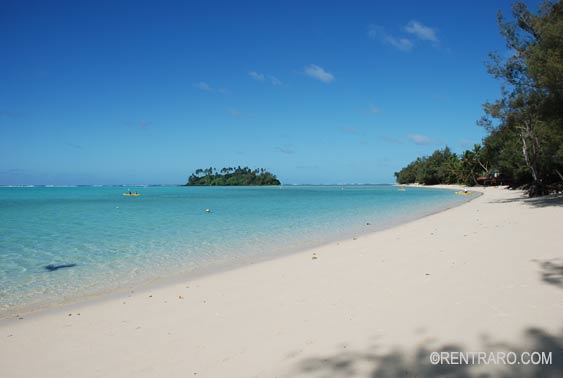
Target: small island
{"points": [[232, 177]]}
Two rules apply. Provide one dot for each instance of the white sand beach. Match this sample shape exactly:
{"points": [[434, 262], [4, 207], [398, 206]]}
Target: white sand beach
{"points": [[484, 276]]}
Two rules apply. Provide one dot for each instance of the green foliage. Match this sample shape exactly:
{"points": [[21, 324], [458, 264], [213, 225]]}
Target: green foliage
{"points": [[232, 177], [527, 141], [442, 167]]}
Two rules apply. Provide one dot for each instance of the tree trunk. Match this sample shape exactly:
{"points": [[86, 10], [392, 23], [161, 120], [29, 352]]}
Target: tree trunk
{"points": [[527, 157], [536, 188]]}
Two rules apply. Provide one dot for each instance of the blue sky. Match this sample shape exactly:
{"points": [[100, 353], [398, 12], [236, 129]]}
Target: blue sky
{"points": [[109, 92]]}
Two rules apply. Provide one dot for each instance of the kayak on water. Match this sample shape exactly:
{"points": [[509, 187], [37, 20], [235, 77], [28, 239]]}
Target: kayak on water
{"points": [[462, 193]]}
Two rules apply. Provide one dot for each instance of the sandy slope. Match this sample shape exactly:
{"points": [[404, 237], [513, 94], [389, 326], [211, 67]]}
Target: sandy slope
{"points": [[485, 276]]}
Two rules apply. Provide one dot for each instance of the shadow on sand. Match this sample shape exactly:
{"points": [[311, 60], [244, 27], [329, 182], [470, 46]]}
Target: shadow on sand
{"points": [[544, 201], [416, 363], [552, 272]]}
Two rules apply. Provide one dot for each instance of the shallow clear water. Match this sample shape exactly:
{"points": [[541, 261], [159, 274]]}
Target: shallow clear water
{"points": [[116, 241]]}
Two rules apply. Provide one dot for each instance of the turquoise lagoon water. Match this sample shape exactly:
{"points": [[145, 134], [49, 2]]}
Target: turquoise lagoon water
{"points": [[118, 241]]}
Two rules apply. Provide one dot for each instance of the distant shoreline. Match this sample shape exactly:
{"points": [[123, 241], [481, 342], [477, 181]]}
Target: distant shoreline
{"points": [[170, 185]]}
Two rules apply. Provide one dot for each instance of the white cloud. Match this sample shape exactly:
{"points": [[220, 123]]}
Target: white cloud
{"points": [[73, 145], [274, 80], [204, 86], [257, 76], [374, 109], [262, 77], [233, 112], [403, 44], [286, 149], [419, 139], [318, 73], [350, 130], [144, 124], [421, 31], [378, 33], [208, 88], [415, 28], [375, 31]]}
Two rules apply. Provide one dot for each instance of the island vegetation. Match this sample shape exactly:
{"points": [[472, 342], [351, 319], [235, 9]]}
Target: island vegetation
{"points": [[524, 145], [232, 176]]}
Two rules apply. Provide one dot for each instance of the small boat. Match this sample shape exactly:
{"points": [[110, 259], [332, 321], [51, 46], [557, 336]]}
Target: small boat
{"points": [[131, 194], [402, 190]]}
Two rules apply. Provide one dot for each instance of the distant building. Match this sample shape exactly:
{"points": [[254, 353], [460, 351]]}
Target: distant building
{"points": [[492, 179]]}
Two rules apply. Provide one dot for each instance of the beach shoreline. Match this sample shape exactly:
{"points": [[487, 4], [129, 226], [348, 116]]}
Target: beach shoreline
{"points": [[472, 276], [217, 267]]}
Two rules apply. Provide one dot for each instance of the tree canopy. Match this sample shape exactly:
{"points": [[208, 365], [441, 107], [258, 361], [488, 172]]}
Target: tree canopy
{"points": [[232, 176], [525, 125], [529, 114], [445, 167]]}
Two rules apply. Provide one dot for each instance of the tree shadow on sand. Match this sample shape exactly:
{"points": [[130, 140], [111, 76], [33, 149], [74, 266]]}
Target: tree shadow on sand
{"points": [[544, 201], [416, 363], [552, 272]]}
